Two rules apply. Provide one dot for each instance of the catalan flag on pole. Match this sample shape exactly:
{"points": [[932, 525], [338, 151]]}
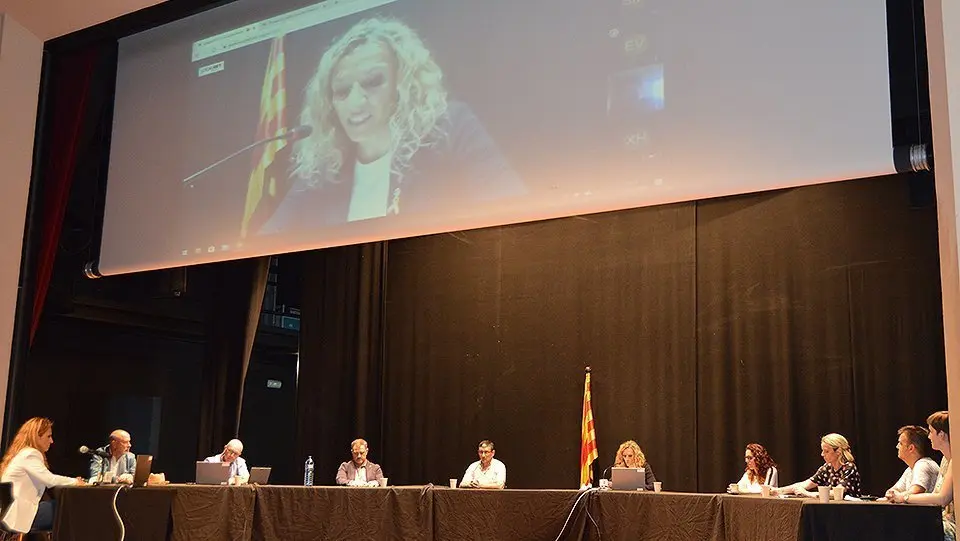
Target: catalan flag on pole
{"points": [[588, 437], [273, 122]]}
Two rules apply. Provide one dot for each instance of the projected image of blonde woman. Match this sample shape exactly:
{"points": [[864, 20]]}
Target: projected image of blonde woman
{"points": [[387, 139]]}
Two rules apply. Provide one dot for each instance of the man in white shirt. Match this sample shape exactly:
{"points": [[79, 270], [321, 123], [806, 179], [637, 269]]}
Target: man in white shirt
{"points": [[239, 474], [359, 472], [120, 466], [921, 473], [487, 472]]}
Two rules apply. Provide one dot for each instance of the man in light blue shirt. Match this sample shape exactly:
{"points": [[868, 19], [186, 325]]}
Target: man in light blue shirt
{"points": [[121, 465], [238, 466]]}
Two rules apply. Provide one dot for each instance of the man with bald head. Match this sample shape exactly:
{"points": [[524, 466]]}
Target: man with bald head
{"points": [[120, 466], [239, 474]]}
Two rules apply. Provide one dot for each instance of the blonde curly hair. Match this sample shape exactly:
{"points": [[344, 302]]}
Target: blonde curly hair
{"points": [[630, 444], [421, 101]]}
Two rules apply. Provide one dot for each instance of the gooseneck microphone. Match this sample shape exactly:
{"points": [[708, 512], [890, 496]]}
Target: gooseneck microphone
{"points": [[84, 450], [293, 134]]}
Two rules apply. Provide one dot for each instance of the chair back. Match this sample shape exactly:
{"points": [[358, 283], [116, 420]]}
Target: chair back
{"points": [[6, 497]]}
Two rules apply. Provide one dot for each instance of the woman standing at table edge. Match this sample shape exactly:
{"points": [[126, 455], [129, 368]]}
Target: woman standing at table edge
{"points": [[759, 469], [838, 470], [942, 495], [629, 455], [24, 466]]}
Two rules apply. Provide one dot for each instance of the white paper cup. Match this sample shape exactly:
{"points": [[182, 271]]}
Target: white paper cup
{"points": [[453, 483], [383, 481], [733, 488], [604, 483], [657, 486], [765, 491], [837, 492], [824, 493]]}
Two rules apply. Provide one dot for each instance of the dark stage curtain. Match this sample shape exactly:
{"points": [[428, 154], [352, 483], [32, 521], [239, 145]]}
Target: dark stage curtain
{"points": [[774, 317], [488, 332], [74, 101], [235, 305], [818, 311], [78, 98], [339, 384]]}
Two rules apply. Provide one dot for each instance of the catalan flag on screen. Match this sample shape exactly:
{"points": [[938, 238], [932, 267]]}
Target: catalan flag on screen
{"points": [[262, 188], [588, 437]]}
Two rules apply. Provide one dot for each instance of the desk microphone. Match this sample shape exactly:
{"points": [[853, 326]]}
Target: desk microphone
{"points": [[84, 450], [291, 135]]}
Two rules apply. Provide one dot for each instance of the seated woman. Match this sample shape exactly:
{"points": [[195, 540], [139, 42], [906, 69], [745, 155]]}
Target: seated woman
{"points": [[760, 469], [629, 455], [25, 466], [838, 470], [942, 495]]}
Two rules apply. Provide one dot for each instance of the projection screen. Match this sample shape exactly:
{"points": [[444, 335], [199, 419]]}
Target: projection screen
{"points": [[264, 127]]}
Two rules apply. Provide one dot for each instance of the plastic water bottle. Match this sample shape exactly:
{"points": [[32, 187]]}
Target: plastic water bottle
{"points": [[308, 472]]}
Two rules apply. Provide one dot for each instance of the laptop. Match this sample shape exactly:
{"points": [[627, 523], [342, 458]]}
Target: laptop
{"points": [[142, 473], [259, 476], [212, 473], [628, 479]]}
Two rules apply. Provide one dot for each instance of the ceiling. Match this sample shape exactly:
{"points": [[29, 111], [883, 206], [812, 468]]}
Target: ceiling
{"points": [[48, 19]]}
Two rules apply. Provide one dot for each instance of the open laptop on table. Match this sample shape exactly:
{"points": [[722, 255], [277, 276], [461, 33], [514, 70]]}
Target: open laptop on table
{"points": [[259, 476], [142, 473], [212, 473], [628, 479]]}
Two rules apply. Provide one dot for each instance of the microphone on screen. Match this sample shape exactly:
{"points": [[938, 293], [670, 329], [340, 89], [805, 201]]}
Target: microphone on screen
{"points": [[298, 133], [291, 135], [84, 450]]}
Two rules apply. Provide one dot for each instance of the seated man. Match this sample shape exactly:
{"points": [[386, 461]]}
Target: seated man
{"points": [[120, 466], [238, 466], [487, 472], [359, 472], [921, 473]]}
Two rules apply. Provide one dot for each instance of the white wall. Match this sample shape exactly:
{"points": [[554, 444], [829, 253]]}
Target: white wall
{"points": [[20, 58], [943, 50]]}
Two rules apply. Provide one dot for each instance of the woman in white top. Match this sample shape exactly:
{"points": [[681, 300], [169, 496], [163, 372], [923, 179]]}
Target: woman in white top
{"points": [[760, 469], [25, 466]]}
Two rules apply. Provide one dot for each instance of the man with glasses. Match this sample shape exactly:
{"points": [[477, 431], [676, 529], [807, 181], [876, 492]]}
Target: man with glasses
{"points": [[487, 472], [239, 474], [120, 466], [359, 472]]}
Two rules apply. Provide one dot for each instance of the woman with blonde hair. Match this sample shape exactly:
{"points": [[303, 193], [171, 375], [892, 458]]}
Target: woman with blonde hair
{"points": [[25, 466], [938, 425], [838, 469], [386, 139], [629, 455]]}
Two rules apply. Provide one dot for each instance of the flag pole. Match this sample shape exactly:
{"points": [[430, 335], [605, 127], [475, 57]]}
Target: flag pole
{"points": [[588, 435]]}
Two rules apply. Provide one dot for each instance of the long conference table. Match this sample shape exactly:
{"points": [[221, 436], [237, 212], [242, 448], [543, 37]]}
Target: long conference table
{"points": [[292, 513]]}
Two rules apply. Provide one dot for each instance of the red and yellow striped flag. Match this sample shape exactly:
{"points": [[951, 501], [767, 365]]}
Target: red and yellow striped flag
{"points": [[588, 437], [273, 122]]}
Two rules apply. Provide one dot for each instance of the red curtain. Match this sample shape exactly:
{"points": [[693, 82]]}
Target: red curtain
{"points": [[71, 81]]}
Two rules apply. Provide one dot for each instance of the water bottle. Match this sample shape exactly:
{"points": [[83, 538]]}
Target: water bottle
{"points": [[308, 472]]}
